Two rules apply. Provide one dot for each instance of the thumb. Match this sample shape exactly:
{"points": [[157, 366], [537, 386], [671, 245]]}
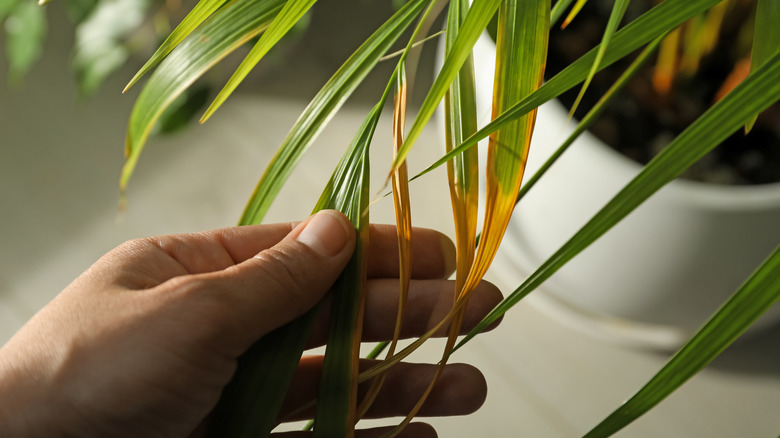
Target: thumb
{"points": [[284, 281]]}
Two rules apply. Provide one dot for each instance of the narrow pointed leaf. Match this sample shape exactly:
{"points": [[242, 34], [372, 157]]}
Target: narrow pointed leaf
{"points": [[194, 18], [591, 116], [754, 94], [766, 38], [284, 21], [573, 13], [250, 403], [324, 106], [754, 297], [476, 21], [618, 10], [403, 219], [460, 121], [223, 32], [349, 186], [657, 21], [521, 53], [557, 11]]}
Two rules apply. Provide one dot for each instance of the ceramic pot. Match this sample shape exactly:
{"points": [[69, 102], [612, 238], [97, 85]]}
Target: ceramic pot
{"points": [[656, 276]]}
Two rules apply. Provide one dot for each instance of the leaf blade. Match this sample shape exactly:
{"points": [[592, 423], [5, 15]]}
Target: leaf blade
{"points": [[194, 18], [757, 92], [323, 106], [222, 33], [618, 10], [658, 21], [476, 21], [756, 295], [292, 11]]}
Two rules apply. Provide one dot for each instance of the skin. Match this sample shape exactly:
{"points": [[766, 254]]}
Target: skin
{"points": [[142, 343]]}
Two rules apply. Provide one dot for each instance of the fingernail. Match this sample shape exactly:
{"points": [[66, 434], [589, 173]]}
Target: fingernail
{"points": [[326, 233]]}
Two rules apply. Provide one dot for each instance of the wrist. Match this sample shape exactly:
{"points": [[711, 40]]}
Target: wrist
{"points": [[24, 410]]}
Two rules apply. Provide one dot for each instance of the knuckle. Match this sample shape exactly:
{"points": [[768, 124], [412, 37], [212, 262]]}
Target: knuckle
{"points": [[283, 272]]}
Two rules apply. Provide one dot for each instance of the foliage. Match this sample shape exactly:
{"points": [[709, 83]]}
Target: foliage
{"points": [[213, 30]]}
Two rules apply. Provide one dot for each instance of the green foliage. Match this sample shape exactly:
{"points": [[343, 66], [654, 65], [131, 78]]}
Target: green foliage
{"points": [[25, 29], [214, 29]]}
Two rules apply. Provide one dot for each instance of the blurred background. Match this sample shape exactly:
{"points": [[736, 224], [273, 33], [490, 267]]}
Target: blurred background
{"points": [[61, 151]]}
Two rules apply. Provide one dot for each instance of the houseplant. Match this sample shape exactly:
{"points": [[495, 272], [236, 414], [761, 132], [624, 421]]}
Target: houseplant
{"points": [[699, 240], [239, 21]]}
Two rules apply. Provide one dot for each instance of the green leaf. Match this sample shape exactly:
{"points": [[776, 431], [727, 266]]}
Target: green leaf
{"points": [[347, 191], [250, 404], [225, 31], [99, 49], [288, 16], [592, 115], [194, 18], [658, 21], [574, 11], [758, 91], [25, 30], [477, 19], [324, 105], [557, 11], [618, 10], [766, 38], [521, 52], [460, 121], [754, 297]]}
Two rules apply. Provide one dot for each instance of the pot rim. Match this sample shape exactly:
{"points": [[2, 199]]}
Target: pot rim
{"points": [[757, 197]]}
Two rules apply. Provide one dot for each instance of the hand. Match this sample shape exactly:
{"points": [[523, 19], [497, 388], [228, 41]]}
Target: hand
{"points": [[143, 342]]}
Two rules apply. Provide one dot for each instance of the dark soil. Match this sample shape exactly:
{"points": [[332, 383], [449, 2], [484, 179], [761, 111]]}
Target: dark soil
{"points": [[640, 122]]}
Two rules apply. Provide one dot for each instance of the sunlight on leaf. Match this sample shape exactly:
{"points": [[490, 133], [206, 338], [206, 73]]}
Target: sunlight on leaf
{"points": [[197, 15], [573, 13], [521, 53], [324, 105], [557, 11], [477, 19], [288, 16], [223, 32]]}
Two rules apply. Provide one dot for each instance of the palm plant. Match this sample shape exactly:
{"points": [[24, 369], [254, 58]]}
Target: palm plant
{"points": [[215, 28]]}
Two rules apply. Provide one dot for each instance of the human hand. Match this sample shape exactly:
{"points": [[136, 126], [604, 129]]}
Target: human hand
{"points": [[143, 342]]}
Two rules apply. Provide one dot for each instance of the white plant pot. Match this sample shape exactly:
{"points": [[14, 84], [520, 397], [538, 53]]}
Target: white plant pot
{"points": [[655, 277]]}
